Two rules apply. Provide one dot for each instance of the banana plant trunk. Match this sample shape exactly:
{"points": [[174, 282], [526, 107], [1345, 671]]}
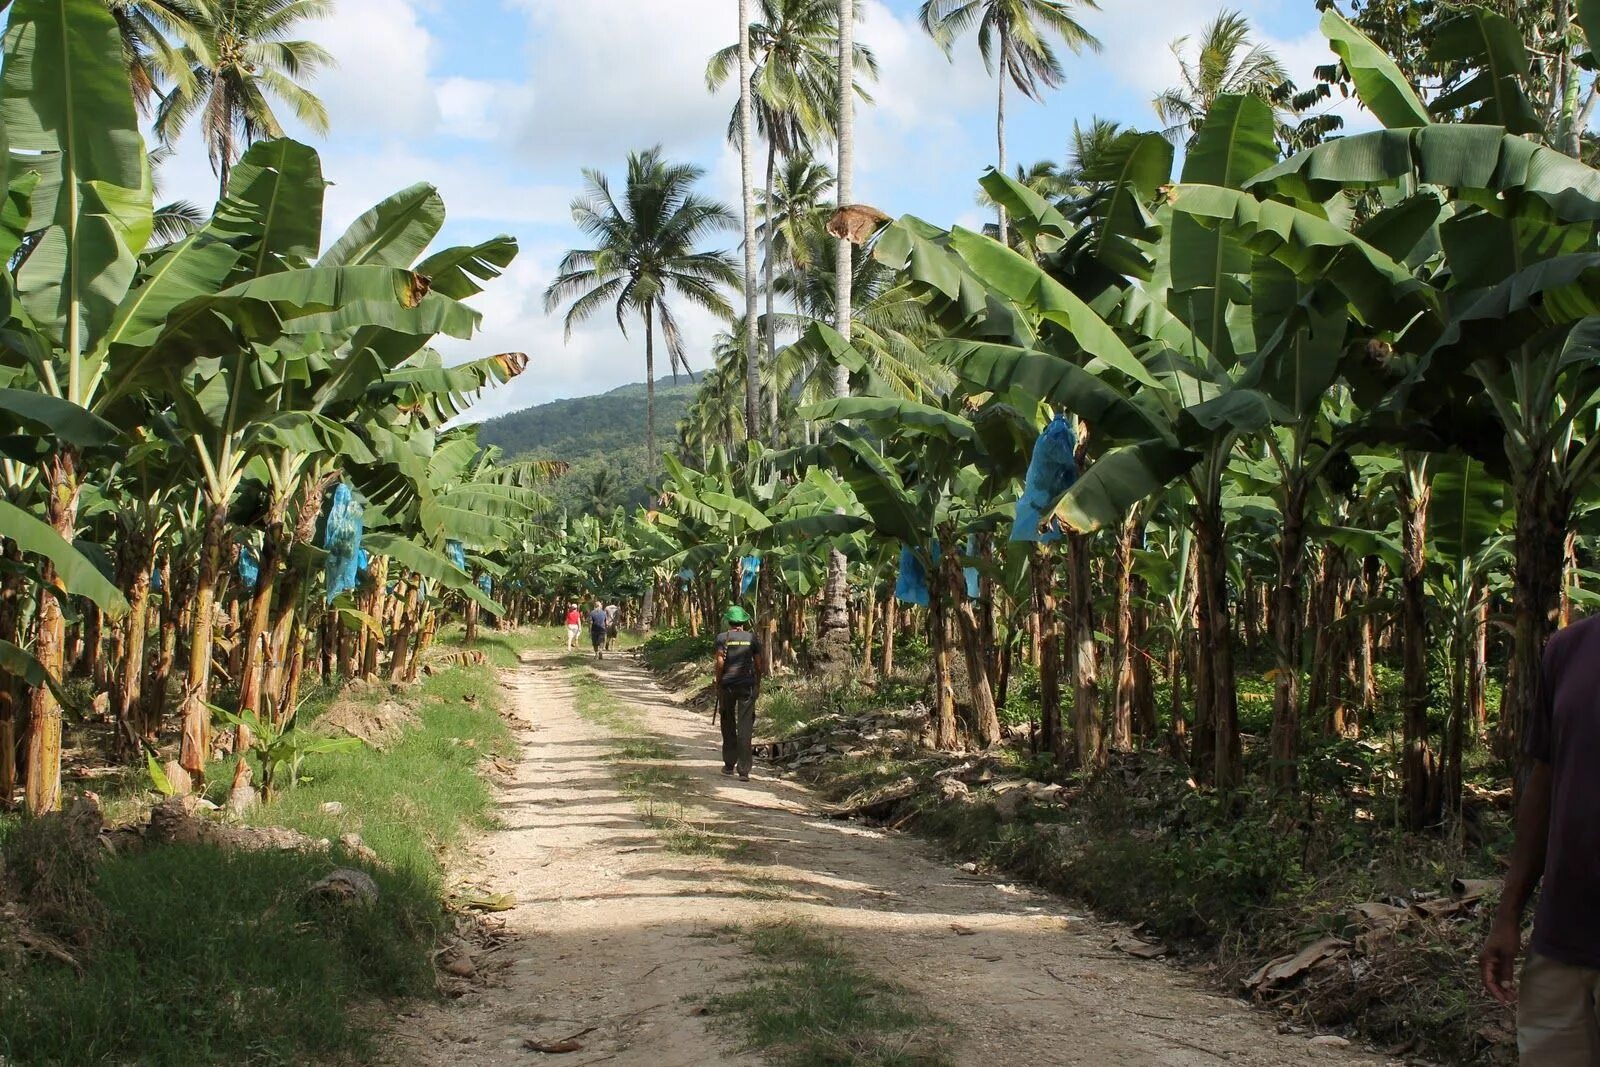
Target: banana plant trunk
{"points": [[195, 712], [134, 629], [1123, 648], [275, 683], [1419, 765], [1287, 608], [891, 624], [153, 696], [400, 643], [1544, 515], [43, 790], [972, 646], [1217, 747], [11, 594], [258, 617], [945, 736], [1052, 738], [1083, 658]]}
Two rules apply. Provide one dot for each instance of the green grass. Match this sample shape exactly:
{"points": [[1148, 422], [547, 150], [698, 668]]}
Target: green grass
{"points": [[420, 799], [215, 956], [808, 1004], [206, 955]]}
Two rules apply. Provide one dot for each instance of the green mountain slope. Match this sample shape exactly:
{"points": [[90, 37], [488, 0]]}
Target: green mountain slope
{"points": [[594, 434]]}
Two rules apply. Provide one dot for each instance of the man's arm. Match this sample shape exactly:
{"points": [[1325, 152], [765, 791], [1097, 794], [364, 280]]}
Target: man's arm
{"points": [[1499, 959]]}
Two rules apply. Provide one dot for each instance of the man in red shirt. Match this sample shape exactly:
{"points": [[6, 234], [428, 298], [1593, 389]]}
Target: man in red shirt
{"points": [[1558, 851]]}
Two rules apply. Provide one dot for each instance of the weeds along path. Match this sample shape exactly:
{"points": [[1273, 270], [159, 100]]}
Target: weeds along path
{"points": [[630, 855]]}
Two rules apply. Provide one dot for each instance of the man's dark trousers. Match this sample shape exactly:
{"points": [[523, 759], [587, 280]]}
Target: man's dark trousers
{"points": [[737, 710]]}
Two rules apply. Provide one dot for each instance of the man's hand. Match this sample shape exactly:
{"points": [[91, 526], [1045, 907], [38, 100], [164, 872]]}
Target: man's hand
{"points": [[1498, 961]]}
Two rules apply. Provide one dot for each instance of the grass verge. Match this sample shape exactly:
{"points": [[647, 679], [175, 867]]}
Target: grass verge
{"points": [[200, 954], [808, 1004]]}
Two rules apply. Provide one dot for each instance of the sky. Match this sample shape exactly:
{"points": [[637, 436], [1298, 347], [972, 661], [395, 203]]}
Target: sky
{"points": [[501, 103]]}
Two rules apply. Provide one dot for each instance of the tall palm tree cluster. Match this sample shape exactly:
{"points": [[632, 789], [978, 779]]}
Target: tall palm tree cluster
{"points": [[225, 462]]}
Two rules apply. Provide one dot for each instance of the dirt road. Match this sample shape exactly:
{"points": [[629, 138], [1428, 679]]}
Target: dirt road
{"points": [[614, 933]]}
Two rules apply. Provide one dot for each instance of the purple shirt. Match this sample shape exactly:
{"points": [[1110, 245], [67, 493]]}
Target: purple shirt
{"points": [[1564, 731]]}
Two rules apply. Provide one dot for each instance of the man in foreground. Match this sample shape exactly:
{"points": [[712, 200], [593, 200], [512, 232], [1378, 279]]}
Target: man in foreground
{"points": [[738, 678], [1558, 841]]}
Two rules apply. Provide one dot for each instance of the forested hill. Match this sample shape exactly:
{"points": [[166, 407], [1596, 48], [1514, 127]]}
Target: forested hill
{"points": [[594, 434]]}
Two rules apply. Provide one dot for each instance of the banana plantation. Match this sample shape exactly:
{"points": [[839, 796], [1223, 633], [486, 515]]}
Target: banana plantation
{"points": [[1254, 450], [1323, 422], [226, 456]]}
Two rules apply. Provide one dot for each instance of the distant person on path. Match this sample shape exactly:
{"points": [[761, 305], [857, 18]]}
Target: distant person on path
{"points": [[597, 629], [1558, 842], [574, 624], [738, 677], [613, 619]]}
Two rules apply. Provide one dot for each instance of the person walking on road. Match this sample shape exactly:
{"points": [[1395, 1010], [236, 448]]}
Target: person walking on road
{"points": [[1558, 844], [597, 629], [613, 621], [738, 680], [574, 625]]}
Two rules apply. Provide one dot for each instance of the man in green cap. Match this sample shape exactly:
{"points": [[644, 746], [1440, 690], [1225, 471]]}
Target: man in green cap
{"points": [[738, 675]]}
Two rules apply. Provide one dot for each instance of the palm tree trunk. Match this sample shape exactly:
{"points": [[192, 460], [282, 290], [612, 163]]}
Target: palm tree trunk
{"points": [[651, 459], [44, 713], [1000, 121], [833, 642], [747, 188], [771, 325]]}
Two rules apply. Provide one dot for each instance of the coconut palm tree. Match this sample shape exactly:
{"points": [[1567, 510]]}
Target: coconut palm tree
{"points": [[833, 636], [792, 209], [1228, 62], [646, 251], [241, 58], [1013, 36], [148, 29], [794, 95]]}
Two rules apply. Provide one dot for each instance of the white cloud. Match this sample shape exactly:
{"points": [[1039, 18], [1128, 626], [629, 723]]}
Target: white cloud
{"points": [[913, 137], [610, 76], [382, 81]]}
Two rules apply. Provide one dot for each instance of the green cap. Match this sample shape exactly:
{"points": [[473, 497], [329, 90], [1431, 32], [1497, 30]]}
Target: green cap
{"points": [[737, 614]]}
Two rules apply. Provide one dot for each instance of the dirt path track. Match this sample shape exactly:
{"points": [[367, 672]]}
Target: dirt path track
{"points": [[613, 931]]}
